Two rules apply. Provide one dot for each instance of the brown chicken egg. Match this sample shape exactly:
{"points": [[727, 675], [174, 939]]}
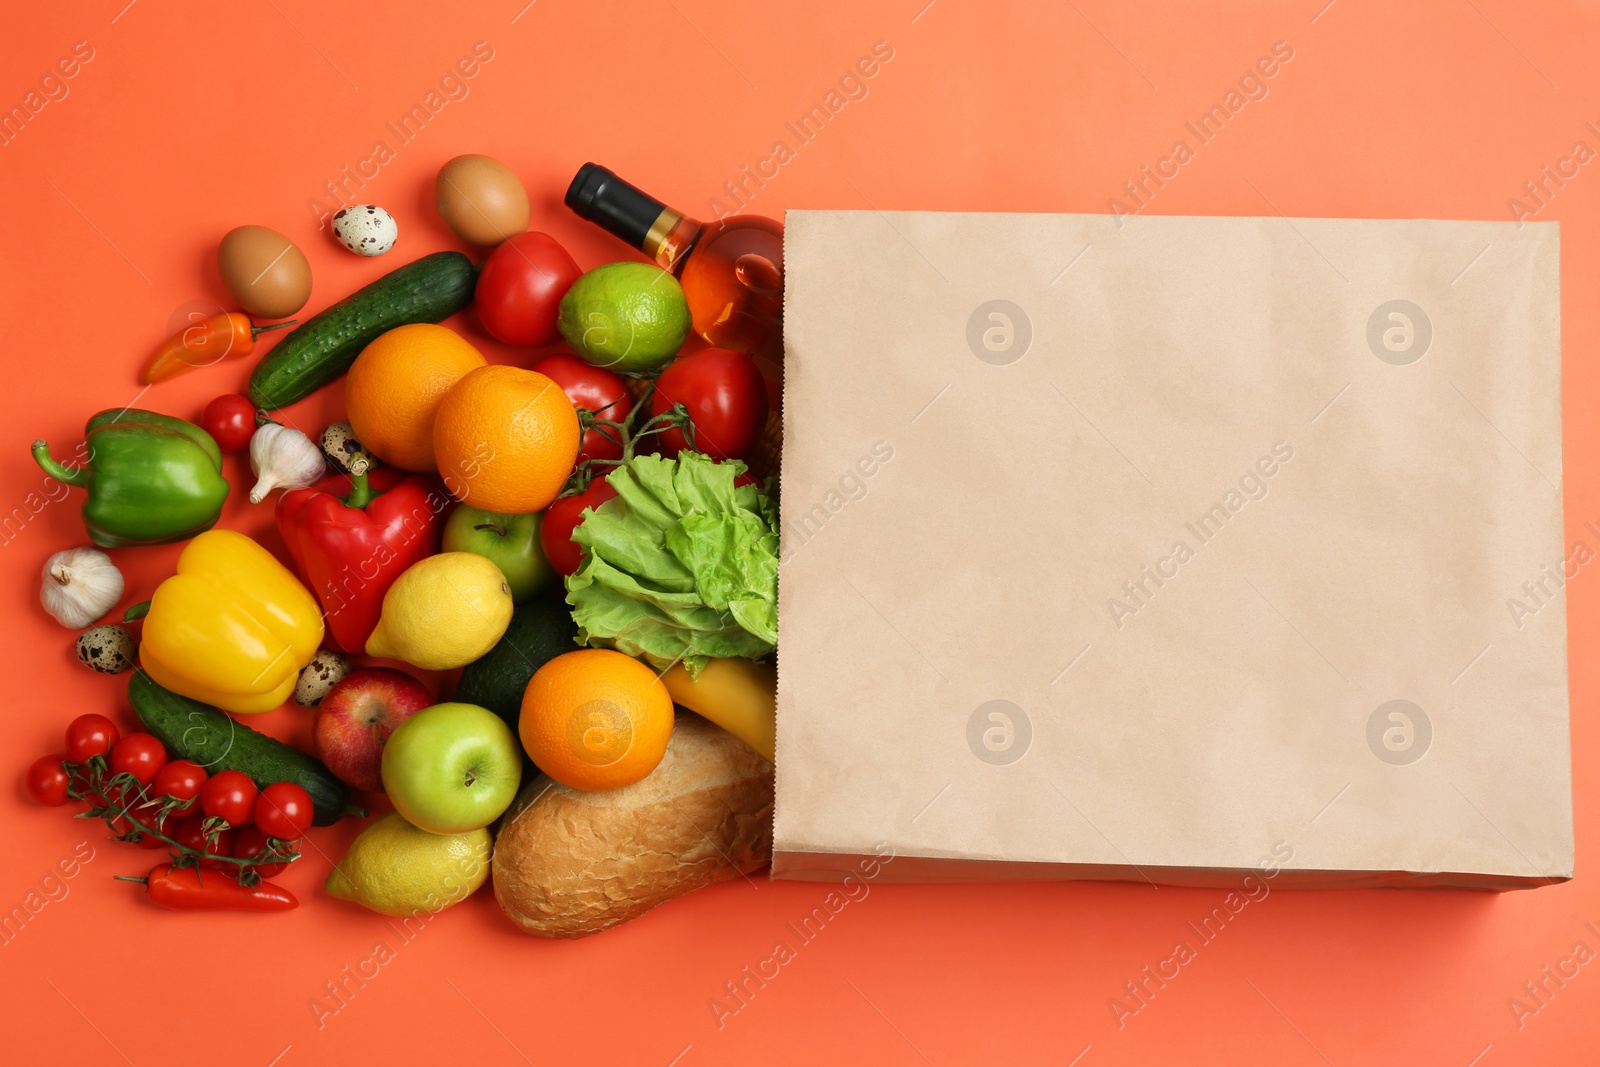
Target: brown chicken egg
{"points": [[264, 270], [481, 199]]}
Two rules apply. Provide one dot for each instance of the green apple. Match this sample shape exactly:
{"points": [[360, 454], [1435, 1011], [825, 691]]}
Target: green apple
{"points": [[452, 768], [510, 542]]}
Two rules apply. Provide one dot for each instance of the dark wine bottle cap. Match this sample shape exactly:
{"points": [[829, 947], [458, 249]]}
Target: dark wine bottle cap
{"points": [[603, 198]]}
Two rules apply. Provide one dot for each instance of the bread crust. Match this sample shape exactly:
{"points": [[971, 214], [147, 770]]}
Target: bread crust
{"points": [[569, 863]]}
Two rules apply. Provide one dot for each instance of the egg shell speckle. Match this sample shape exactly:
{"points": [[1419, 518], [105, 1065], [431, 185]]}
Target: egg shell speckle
{"points": [[365, 229]]}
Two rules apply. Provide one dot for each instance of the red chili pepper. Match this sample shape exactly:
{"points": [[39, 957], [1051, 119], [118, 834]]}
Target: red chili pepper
{"points": [[352, 536], [187, 889], [227, 336]]}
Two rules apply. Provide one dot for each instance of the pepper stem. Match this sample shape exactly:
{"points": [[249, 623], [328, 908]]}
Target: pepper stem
{"points": [[145, 880], [78, 476], [361, 493], [255, 330]]}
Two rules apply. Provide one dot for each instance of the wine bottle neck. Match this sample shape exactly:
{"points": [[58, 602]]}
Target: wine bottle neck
{"points": [[622, 209]]}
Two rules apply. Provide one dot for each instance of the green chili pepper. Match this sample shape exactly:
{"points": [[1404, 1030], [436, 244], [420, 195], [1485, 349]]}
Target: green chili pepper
{"points": [[151, 478]]}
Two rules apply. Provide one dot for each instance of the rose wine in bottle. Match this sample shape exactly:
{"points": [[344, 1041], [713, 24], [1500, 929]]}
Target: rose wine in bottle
{"points": [[731, 269]]}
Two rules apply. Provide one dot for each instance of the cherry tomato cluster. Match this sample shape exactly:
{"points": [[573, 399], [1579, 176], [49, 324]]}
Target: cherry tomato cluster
{"points": [[222, 814]]}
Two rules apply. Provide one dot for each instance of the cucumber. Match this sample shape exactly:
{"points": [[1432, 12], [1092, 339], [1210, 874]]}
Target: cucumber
{"points": [[199, 732], [319, 350]]}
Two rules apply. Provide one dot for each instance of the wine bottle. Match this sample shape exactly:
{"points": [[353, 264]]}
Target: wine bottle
{"points": [[731, 269]]}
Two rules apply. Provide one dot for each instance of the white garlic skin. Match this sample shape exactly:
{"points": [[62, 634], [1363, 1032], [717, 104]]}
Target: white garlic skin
{"points": [[79, 585], [283, 458]]}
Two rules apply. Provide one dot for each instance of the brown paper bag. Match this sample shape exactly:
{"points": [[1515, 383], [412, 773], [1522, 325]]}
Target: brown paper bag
{"points": [[1172, 550]]}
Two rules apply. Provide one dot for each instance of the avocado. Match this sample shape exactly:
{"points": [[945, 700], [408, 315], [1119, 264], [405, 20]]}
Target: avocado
{"points": [[541, 629]]}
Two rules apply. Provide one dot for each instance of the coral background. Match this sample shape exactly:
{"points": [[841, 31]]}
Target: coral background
{"points": [[191, 118]]}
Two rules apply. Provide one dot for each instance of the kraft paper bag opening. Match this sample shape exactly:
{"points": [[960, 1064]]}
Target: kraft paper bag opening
{"points": [[1173, 549]]}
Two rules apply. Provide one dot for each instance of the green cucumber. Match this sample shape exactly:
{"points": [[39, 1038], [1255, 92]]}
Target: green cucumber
{"points": [[199, 732], [319, 350]]}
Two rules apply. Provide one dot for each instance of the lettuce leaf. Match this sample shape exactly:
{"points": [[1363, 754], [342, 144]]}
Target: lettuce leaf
{"points": [[681, 566]]}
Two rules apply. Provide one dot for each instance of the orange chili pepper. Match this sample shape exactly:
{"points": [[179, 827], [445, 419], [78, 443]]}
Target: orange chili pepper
{"points": [[228, 336]]}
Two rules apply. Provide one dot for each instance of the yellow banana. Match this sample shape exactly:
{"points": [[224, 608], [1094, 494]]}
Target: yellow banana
{"points": [[738, 695]]}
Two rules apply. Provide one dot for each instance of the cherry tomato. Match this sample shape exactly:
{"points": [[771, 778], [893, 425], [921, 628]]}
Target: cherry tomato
{"points": [[183, 779], [191, 832], [90, 735], [251, 842], [230, 796], [48, 781], [726, 397], [231, 420], [595, 389], [562, 517], [520, 288], [165, 826], [284, 810], [112, 797], [140, 755]]}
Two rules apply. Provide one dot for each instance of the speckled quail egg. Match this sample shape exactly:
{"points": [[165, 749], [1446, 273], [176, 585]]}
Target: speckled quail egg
{"points": [[365, 229], [340, 446], [319, 676], [107, 649]]}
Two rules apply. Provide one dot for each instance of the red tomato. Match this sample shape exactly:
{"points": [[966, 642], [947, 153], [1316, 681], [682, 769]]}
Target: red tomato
{"points": [[183, 779], [250, 842], [520, 289], [726, 397], [114, 799], [231, 419], [191, 832], [284, 810], [594, 389], [230, 796], [140, 755], [90, 735], [47, 781], [562, 517], [165, 826]]}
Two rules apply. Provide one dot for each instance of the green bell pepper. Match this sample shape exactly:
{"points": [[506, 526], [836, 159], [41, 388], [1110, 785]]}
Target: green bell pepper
{"points": [[151, 478]]}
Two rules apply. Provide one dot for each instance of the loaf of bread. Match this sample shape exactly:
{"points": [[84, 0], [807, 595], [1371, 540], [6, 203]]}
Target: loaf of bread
{"points": [[569, 863]]}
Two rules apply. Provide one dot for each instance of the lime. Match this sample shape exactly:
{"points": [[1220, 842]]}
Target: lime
{"points": [[396, 869], [625, 316]]}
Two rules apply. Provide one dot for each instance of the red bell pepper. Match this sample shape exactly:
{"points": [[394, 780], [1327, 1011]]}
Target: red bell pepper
{"points": [[352, 536]]}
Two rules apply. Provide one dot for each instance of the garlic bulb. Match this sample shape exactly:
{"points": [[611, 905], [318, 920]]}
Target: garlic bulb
{"points": [[79, 586], [283, 458]]}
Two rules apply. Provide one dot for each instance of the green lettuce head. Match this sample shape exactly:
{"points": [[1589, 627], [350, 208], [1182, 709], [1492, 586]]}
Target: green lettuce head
{"points": [[681, 566]]}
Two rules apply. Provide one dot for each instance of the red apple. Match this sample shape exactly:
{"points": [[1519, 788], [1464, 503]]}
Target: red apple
{"points": [[356, 718]]}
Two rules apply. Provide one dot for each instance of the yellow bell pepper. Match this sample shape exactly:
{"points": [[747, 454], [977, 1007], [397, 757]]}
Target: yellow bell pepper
{"points": [[232, 628]]}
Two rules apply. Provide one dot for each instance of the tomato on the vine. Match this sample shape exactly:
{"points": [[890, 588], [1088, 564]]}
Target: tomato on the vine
{"points": [[47, 781], [90, 735], [725, 396], [183, 779], [520, 287], [284, 810], [251, 842], [191, 833], [231, 420], [593, 389], [150, 822], [141, 755], [230, 796], [564, 516]]}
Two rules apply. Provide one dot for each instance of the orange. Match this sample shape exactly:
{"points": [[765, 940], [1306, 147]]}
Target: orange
{"points": [[596, 719], [394, 388], [506, 439]]}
